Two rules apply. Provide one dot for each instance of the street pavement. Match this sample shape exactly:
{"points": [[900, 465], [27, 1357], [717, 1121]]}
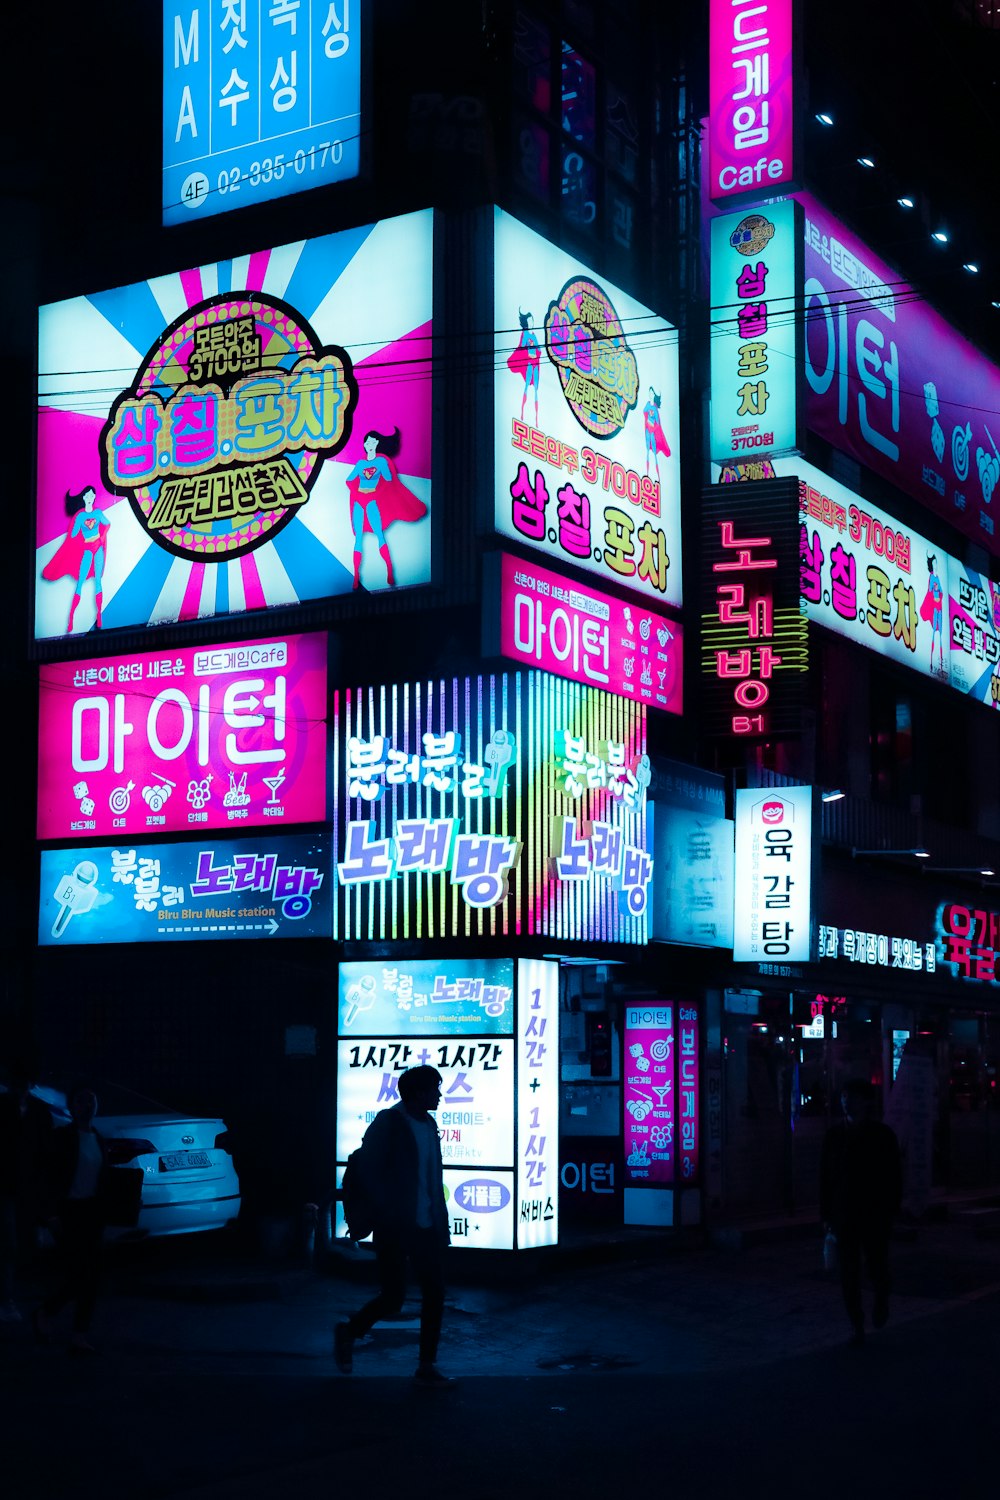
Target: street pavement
{"points": [[667, 1371]]}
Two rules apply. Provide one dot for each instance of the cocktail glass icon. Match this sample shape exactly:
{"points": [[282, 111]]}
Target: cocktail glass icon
{"points": [[273, 783]]}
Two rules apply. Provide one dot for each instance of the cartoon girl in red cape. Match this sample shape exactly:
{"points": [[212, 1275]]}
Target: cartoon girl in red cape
{"points": [[656, 443], [379, 497], [83, 549], [525, 359], [931, 609]]}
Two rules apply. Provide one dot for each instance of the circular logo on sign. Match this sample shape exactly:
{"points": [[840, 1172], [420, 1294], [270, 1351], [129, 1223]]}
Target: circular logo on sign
{"points": [[585, 341], [751, 234], [222, 434]]}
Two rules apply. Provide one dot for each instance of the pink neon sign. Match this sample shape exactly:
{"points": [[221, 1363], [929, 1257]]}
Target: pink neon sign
{"points": [[751, 123], [650, 1120], [549, 621], [687, 1093], [206, 737]]}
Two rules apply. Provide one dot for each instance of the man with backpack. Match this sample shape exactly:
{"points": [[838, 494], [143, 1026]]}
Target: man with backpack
{"points": [[397, 1172]]}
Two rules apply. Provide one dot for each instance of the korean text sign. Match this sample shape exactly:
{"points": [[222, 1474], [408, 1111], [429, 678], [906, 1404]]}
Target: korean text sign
{"points": [[773, 916], [752, 92], [586, 419], [491, 805], [693, 888], [755, 639], [427, 997], [224, 889], [254, 452], [537, 1103], [893, 384], [261, 98], [756, 332], [203, 737], [650, 1116], [549, 621]]}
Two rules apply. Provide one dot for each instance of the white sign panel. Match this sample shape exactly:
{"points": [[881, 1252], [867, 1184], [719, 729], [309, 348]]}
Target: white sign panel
{"points": [[773, 874], [537, 1103]]}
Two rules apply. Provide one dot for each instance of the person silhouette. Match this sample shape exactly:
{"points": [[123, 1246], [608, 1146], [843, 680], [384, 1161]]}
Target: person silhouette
{"points": [[400, 1161]]}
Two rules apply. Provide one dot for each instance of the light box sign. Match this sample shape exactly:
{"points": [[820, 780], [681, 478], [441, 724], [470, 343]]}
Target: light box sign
{"points": [[751, 137], [204, 737], [225, 890], [693, 889], [537, 1103], [649, 1095], [248, 458], [261, 98], [549, 621], [773, 914], [755, 639], [586, 418], [968, 940], [756, 332], [893, 384], [427, 997], [504, 804]]}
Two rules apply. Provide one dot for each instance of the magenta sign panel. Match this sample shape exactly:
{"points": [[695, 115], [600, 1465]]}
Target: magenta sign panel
{"points": [[206, 737], [648, 1075], [893, 384], [751, 80], [549, 621], [687, 1093]]}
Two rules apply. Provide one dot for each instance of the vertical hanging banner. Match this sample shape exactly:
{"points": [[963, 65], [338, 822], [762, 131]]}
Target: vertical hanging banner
{"points": [[258, 447], [757, 338], [650, 1118], [752, 125], [587, 430], [537, 1103], [755, 638], [774, 854], [688, 1095], [261, 98]]}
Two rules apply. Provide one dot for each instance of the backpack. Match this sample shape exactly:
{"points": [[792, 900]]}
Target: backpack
{"points": [[355, 1200]]}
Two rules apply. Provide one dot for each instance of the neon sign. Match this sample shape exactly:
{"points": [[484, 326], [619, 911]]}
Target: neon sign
{"points": [[773, 874], [752, 92]]}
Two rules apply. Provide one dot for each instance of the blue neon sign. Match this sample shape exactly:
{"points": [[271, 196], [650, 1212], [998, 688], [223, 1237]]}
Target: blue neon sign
{"points": [[261, 98]]}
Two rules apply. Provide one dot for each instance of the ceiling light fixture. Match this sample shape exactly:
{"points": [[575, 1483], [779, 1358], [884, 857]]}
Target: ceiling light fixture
{"points": [[970, 265], [906, 201], [865, 161], [833, 796], [941, 236], [824, 118]]}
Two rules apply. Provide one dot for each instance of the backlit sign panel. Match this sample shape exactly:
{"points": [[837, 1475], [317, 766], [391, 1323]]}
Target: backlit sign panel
{"points": [[426, 997], [586, 419], [693, 889], [773, 874], [219, 890], [537, 1103], [261, 98], [755, 641], [751, 136], [649, 1094], [893, 384], [251, 452], [550, 621], [756, 332], [202, 737], [500, 804]]}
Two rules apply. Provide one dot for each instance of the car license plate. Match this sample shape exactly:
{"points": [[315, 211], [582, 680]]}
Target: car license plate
{"points": [[178, 1161]]}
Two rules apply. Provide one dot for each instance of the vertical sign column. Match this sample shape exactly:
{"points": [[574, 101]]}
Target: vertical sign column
{"points": [[537, 1103], [773, 875], [752, 94], [687, 1094]]}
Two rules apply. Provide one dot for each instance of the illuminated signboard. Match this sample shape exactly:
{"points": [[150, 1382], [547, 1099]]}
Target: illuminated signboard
{"points": [[756, 332], [537, 1103], [227, 889], [251, 459], [490, 805], [650, 1119], [549, 621], [499, 1195], [427, 997], [202, 737], [688, 1094], [969, 940], [876, 949], [755, 640], [261, 98], [586, 418], [751, 137], [774, 847], [893, 384], [693, 889]]}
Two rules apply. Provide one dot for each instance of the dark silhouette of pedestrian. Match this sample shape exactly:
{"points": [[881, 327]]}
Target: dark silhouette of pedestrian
{"points": [[78, 1165], [400, 1161], [861, 1187], [25, 1132]]}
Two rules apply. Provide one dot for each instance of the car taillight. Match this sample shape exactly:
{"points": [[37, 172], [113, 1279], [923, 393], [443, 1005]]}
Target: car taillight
{"points": [[223, 1143], [122, 1149]]}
